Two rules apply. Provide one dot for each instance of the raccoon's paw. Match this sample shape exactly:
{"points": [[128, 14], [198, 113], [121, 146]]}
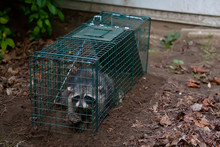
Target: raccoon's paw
{"points": [[120, 96], [74, 118]]}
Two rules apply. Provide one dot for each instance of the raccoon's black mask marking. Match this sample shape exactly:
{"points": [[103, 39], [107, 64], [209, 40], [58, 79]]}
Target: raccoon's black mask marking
{"points": [[87, 99]]}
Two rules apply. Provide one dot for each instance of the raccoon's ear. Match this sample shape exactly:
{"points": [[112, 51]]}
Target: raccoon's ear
{"points": [[70, 89]]}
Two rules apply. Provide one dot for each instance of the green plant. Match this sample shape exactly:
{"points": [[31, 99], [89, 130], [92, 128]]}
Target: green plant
{"points": [[5, 32], [153, 51], [40, 13], [177, 62], [168, 41], [209, 50]]}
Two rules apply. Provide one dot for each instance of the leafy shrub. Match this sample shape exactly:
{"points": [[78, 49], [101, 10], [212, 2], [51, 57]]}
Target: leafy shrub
{"points": [[168, 41], [5, 32], [40, 13]]}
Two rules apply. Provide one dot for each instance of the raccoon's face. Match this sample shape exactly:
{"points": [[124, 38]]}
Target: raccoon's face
{"points": [[82, 97], [85, 96]]}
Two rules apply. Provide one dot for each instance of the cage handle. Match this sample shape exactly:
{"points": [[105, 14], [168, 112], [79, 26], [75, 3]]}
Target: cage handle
{"points": [[95, 18], [123, 15]]}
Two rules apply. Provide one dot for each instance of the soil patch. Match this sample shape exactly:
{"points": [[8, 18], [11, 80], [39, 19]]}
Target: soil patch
{"points": [[160, 110]]}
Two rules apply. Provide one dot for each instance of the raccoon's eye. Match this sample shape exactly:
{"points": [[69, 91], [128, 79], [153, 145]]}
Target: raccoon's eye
{"points": [[76, 98], [89, 99]]}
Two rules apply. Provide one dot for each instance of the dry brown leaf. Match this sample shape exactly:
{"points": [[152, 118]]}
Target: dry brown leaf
{"points": [[206, 101], [188, 118], [155, 107], [214, 84], [217, 80], [194, 140], [15, 71], [201, 123], [183, 68], [11, 80], [198, 70], [144, 146], [137, 124], [165, 120], [193, 83], [205, 108]]}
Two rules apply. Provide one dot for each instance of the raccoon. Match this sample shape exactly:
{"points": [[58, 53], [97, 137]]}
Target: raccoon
{"points": [[82, 93]]}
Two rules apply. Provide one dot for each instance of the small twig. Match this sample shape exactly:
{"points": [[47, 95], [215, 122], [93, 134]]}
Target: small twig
{"points": [[117, 108], [4, 110]]}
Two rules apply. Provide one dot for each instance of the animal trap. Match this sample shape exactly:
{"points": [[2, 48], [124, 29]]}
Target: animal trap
{"points": [[79, 78]]}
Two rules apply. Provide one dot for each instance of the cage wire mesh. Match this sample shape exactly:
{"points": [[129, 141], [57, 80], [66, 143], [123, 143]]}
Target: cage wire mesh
{"points": [[76, 80]]}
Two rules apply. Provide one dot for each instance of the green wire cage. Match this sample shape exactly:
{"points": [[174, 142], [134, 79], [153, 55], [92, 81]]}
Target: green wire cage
{"points": [[76, 80]]}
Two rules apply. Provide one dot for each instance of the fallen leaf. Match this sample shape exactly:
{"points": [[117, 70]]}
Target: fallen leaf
{"points": [[144, 146], [141, 141], [9, 91], [137, 124], [214, 84], [206, 101], [206, 129], [155, 108], [194, 140], [198, 114], [205, 108], [11, 80], [193, 84], [204, 119], [201, 123], [183, 68], [132, 138], [188, 118], [110, 130], [217, 80], [125, 143], [10, 70], [198, 70], [196, 107], [165, 120]]}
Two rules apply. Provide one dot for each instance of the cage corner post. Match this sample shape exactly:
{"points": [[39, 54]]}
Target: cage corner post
{"points": [[96, 91], [115, 76], [148, 43], [33, 82]]}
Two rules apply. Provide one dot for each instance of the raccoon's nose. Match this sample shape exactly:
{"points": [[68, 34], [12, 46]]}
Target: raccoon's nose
{"points": [[81, 104]]}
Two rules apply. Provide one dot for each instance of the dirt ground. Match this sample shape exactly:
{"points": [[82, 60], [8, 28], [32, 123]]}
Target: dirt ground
{"points": [[160, 110]]}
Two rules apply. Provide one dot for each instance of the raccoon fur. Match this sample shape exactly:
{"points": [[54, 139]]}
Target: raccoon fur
{"points": [[82, 93]]}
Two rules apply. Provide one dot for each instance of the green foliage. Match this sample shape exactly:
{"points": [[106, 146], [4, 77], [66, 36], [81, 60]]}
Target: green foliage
{"points": [[209, 50], [168, 41], [40, 13], [153, 51], [177, 62], [5, 32]]}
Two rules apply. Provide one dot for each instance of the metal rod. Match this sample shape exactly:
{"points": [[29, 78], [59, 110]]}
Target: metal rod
{"points": [[68, 73]]}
